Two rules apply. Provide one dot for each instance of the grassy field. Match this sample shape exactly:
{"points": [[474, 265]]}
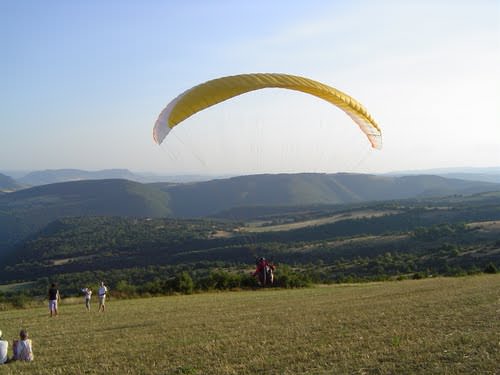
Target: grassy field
{"points": [[260, 226], [430, 326]]}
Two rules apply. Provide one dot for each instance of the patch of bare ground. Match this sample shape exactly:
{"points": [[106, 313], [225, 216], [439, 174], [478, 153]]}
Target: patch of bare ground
{"points": [[266, 227]]}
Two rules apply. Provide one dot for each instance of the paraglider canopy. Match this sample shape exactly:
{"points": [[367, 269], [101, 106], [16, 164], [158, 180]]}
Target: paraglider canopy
{"points": [[218, 90]]}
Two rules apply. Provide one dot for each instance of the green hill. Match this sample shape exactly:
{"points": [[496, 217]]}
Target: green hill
{"points": [[452, 235], [26, 211], [208, 198]]}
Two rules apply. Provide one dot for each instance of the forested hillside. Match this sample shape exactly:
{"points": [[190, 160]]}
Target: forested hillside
{"points": [[208, 198], [454, 235], [24, 212]]}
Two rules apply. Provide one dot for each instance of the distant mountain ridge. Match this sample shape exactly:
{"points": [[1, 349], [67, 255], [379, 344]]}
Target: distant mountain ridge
{"points": [[487, 174], [52, 176], [112, 197], [25, 211], [8, 184], [210, 197]]}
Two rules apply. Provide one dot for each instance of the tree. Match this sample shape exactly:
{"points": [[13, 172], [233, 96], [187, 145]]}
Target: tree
{"points": [[184, 283], [490, 268], [124, 288]]}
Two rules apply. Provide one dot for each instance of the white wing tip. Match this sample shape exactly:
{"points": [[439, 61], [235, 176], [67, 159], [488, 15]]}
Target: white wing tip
{"points": [[161, 128]]}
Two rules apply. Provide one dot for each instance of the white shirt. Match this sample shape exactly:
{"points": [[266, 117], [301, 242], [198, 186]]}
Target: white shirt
{"points": [[102, 291], [4, 347], [24, 350], [88, 293]]}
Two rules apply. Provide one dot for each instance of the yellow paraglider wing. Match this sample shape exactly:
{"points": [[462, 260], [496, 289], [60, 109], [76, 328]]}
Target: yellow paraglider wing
{"points": [[218, 90]]}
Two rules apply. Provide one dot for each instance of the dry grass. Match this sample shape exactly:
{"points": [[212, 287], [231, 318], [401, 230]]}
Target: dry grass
{"points": [[432, 326], [258, 227], [486, 226]]}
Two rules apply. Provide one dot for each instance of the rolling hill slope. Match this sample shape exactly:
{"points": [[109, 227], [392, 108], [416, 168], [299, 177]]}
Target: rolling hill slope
{"points": [[26, 211], [52, 176], [208, 198], [456, 233], [8, 184]]}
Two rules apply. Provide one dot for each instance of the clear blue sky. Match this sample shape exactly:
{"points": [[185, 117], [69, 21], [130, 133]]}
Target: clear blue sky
{"points": [[83, 82]]}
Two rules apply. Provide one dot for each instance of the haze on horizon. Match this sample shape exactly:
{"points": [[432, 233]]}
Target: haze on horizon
{"points": [[84, 82]]}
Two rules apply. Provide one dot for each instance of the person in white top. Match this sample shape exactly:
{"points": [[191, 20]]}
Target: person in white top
{"points": [[103, 290], [4, 348], [23, 349], [88, 296]]}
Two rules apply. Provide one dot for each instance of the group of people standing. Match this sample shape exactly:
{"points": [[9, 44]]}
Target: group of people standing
{"points": [[55, 297], [101, 293]]}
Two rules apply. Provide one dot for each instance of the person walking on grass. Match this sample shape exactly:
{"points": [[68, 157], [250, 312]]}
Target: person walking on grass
{"points": [[88, 295], [54, 298], [103, 290]]}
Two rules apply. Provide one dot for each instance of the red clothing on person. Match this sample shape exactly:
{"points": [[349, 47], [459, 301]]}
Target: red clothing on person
{"points": [[261, 266]]}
